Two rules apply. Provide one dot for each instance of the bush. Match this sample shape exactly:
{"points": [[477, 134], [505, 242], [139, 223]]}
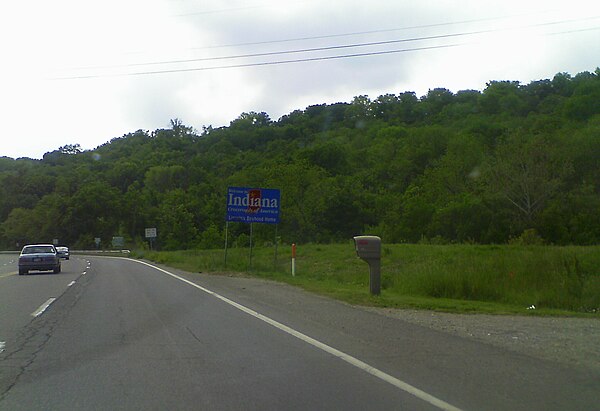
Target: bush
{"points": [[528, 237]]}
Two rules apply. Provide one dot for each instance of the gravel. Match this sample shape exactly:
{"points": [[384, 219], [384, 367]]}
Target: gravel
{"points": [[570, 341]]}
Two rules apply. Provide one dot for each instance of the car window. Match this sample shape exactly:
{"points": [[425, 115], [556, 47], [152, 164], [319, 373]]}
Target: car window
{"points": [[38, 250]]}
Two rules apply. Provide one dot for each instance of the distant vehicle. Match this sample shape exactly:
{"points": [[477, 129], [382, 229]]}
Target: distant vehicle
{"points": [[39, 257], [63, 252]]}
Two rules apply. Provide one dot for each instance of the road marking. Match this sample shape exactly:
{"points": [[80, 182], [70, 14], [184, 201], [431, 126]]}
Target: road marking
{"points": [[7, 275], [43, 307], [71, 283], [2, 346], [442, 405]]}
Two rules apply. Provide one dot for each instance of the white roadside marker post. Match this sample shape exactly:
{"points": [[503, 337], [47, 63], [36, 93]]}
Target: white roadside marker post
{"points": [[293, 259]]}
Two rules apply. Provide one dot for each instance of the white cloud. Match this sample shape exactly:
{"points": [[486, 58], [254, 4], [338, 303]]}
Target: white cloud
{"points": [[67, 38]]}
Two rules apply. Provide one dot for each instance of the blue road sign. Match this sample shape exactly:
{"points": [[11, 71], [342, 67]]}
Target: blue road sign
{"points": [[253, 205]]}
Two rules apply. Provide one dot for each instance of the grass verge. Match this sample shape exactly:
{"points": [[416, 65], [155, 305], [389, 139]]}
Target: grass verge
{"points": [[506, 279]]}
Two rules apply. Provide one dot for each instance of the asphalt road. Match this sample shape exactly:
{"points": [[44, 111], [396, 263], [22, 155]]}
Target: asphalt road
{"points": [[127, 336]]}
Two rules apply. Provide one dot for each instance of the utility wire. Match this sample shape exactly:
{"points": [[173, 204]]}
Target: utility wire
{"points": [[327, 36], [338, 47], [307, 50], [267, 63], [356, 33], [375, 53]]}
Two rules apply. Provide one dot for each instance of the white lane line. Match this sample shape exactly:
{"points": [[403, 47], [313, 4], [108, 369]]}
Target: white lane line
{"points": [[442, 405], [43, 307], [2, 346], [71, 283], [84, 273]]}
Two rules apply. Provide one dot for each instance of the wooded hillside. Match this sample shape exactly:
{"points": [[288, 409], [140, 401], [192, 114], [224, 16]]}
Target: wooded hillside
{"points": [[483, 167]]}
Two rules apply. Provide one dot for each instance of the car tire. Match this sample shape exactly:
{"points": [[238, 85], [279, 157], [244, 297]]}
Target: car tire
{"points": [[56, 270], [23, 272]]}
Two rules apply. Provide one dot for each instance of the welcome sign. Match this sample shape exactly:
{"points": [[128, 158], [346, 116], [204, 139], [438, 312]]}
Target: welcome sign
{"points": [[253, 205]]}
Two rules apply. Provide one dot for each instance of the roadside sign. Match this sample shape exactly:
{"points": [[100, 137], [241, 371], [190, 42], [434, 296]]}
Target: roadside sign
{"points": [[151, 232], [118, 242], [253, 205]]}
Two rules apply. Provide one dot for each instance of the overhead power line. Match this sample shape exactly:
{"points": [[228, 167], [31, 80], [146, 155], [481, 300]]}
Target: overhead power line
{"points": [[339, 47], [355, 33], [317, 49], [295, 39], [266, 63], [296, 51]]}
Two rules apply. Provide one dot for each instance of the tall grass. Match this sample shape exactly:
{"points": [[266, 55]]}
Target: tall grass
{"points": [[438, 276]]}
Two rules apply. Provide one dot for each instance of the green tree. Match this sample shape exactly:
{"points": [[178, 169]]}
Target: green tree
{"points": [[503, 97], [526, 172], [176, 221], [94, 210], [585, 100]]}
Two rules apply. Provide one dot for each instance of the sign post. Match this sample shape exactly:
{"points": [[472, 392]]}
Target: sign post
{"points": [[150, 235], [252, 205], [226, 231]]}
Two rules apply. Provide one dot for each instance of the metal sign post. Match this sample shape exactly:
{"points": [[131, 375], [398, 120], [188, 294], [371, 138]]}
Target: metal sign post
{"points": [[250, 264], [150, 235], [226, 232], [276, 244], [253, 205]]}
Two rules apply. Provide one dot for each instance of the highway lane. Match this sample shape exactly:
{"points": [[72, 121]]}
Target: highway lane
{"points": [[127, 336], [21, 296], [8, 263]]}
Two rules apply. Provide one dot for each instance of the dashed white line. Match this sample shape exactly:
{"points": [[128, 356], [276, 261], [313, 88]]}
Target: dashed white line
{"points": [[2, 346], [43, 307], [71, 283], [442, 405]]}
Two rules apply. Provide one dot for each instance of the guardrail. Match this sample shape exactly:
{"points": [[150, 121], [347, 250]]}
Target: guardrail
{"points": [[101, 252]]}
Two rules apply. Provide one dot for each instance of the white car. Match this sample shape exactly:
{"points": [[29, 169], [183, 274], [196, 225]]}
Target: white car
{"points": [[63, 252]]}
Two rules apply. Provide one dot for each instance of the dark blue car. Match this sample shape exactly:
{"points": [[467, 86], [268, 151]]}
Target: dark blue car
{"points": [[39, 257]]}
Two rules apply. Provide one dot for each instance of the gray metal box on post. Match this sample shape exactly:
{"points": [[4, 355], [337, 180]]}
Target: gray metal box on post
{"points": [[368, 248]]}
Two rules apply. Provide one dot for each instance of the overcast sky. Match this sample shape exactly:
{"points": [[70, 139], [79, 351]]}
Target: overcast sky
{"points": [[76, 72]]}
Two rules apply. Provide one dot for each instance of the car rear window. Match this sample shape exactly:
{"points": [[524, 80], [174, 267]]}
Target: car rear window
{"points": [[38, 250]]}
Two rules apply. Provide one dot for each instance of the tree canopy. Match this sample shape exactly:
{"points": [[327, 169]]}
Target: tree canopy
{"points": [[470, 166]]}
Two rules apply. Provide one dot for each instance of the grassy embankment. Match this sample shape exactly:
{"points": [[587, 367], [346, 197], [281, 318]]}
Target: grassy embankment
{"points": [[456, 278]]}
